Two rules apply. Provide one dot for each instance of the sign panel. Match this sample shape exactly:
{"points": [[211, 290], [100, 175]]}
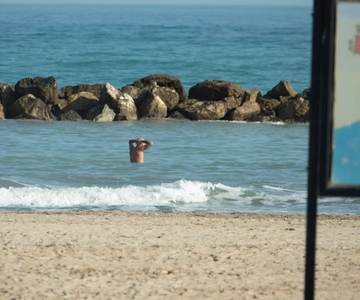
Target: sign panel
{"points": [[345, 169]]}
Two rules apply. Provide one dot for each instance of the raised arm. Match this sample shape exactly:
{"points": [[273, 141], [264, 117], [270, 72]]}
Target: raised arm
{"points": [[148, 144]]}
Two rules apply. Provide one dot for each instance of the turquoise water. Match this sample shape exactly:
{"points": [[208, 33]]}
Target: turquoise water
{"points": [[252, 46], [193, 166], [346, 162]]}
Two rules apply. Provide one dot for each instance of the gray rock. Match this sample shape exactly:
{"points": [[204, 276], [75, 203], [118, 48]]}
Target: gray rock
{"points": [[215, 90], [268, 105], [7, 96], [45, 89], [131, 90], [163, 80], [244, 112], [67, 91], [106, 115], [283, 88], [122, 104], [152, 107], [295, 110], [30, 107], [169, 96], [251, 95], [71, 115], [194, 109], [80, 102], [232, 102]]}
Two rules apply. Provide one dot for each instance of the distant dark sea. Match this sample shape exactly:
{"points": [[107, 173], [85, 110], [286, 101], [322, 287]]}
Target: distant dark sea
{"points": [[252, 46]]}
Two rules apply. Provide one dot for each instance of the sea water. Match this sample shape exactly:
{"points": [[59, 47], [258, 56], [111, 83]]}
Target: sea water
{"points": [[207, 166], [213, 166]]}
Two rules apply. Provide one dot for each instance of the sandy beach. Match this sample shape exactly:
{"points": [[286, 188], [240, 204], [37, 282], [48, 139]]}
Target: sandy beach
{"points": [[133, 255]]}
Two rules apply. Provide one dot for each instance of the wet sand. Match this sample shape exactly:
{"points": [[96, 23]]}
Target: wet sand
{"points": [[133, 255]]}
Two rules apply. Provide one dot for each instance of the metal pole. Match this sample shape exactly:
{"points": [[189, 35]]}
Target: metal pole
{"points": [[315, 126]]}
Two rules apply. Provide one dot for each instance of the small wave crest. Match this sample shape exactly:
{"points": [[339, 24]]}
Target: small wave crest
{"points": [[181, 191], [178, 195]]}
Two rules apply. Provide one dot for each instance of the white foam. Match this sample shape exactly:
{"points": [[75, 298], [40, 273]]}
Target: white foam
{"points": [[181, 191], [276, 188], [166, 194]]}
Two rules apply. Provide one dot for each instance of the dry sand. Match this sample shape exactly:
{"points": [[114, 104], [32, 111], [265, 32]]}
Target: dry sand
{"points": [[122, 255]]}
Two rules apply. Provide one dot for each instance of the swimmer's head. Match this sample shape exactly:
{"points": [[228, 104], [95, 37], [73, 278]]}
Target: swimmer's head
{"points": [[139, 141]]}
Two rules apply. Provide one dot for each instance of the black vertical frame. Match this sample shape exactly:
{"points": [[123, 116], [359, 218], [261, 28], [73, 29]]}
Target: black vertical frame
{"points": [[323, 74], [318, 88], [321, 128]]}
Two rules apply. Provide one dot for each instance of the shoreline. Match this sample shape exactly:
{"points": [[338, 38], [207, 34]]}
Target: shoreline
{"points": [[162, 255]]}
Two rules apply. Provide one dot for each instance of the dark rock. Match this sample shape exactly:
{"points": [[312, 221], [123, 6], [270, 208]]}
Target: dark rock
{"points": [[232, 102], [131, 90], [177, 115], [30, 107], [67, 91], [7, 96], [306, 94], [55, 109], [283, 88], [194, 109], [163, 80], [268, 104], [215, 90], [245, 111], [70, 115], [80, 102], [169, 96], [45, 89], [295, 109], [263, 117]]}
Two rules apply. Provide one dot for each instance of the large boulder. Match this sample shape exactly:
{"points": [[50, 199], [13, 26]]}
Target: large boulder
{"points": [[30, 107], [153, 107], [131, 90], [268, 105], [7, 95], [245, 111], [251, 95], [295, 110], [194, 109], [169, 96], [106, 115], [232, 102], [67, 91], [46, 89], [163, 80], [283, 88], [215, 90], [122, 104], [80, 102]]}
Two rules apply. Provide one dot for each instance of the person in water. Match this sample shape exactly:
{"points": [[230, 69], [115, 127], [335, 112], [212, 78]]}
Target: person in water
{"points": [[137, 148]]}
